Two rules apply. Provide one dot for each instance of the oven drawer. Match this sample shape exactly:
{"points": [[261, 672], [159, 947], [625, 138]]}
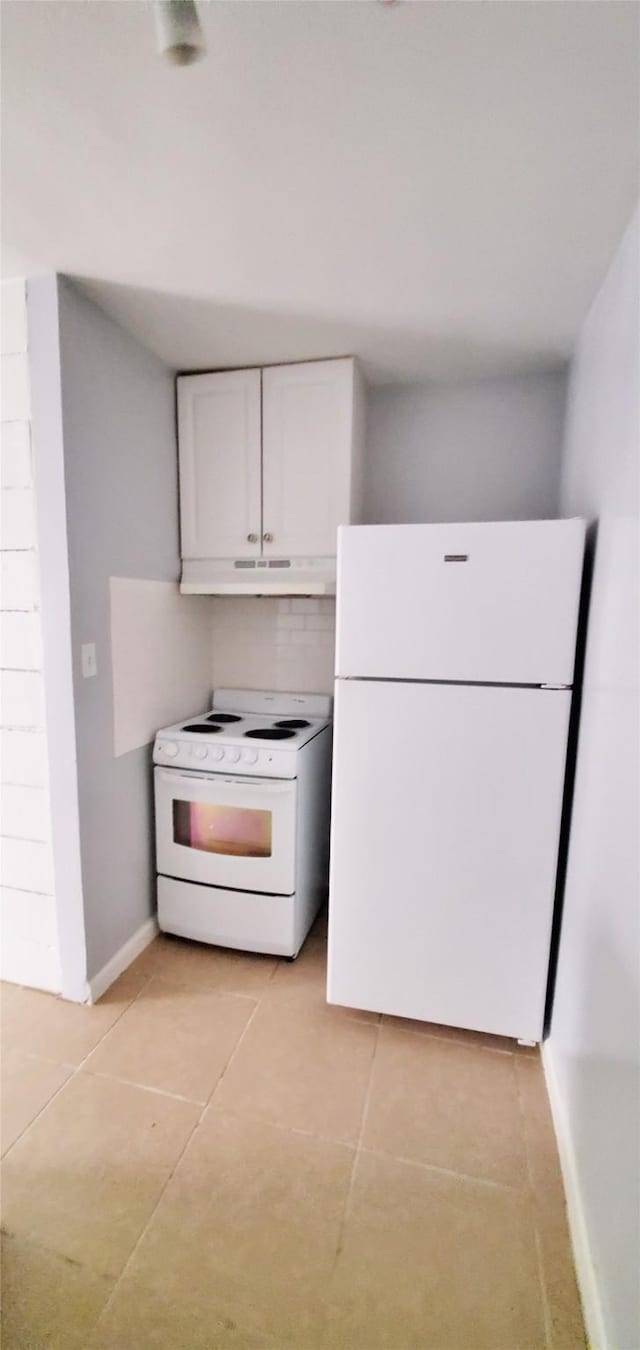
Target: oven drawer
{"points": [[226, 831], [248, 922]]}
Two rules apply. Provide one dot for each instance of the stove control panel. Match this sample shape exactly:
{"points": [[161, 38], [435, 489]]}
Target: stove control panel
{"points": [[270, 762]]}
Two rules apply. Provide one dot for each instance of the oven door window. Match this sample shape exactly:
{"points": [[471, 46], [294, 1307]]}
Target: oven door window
{"points": [[233, 830]]}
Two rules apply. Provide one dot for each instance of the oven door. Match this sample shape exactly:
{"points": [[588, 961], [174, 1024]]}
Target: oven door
{"points": [[226, 831]]}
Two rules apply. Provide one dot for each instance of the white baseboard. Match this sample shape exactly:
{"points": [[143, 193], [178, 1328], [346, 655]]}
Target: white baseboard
{"points": [[123, 958], [585, 1268]]}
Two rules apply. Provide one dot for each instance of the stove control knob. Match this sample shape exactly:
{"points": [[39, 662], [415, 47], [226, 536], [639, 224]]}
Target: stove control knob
{"points": [[249, 756], [169, 748], [200, 751], [216, 752], [233, 755]]}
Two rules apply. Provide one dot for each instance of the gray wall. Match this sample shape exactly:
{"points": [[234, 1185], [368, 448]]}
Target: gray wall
{"points": [[47, 449], [487, 450], [593, 1048], [122, 520]]}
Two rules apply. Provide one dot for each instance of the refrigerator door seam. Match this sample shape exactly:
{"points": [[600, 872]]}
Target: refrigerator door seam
{"points": [[462, 684]]}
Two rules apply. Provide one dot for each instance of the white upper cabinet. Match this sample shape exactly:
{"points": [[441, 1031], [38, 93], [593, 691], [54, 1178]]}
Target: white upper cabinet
{"points": [[269, 468], [307, 426], [220, 464]]}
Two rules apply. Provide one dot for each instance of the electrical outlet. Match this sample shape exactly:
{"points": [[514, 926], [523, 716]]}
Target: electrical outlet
{"points": [[88, 659]]}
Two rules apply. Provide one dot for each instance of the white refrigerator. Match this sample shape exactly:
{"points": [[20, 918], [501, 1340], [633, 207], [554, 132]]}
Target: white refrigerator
{"points": [[455, 651]]}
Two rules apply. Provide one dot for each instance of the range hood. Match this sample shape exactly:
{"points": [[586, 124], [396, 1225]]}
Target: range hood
{"points": [[258, 576]]}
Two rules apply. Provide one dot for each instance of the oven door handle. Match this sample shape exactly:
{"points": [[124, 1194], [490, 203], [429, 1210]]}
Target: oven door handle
{"points": [[270, 787]]}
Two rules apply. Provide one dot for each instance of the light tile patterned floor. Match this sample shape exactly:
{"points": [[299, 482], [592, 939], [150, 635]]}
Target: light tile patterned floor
{"points": [[213, 1159]]}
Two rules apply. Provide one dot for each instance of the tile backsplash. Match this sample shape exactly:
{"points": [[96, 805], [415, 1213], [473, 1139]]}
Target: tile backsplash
{"points": [[267, 642]]}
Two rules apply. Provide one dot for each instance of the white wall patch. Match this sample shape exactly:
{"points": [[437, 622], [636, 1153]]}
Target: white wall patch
{"points": [[160, 656]]}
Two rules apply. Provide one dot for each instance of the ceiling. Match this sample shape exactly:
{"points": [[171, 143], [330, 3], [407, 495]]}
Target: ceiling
{"points": [[437, 187]]}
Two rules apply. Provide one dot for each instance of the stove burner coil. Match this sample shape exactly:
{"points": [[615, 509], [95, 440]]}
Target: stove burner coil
{"points": [[293, 723], [270, 734], [201, 729]]}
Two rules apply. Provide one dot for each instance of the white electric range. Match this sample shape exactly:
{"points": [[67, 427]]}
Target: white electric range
{"points": [[242, 797]]}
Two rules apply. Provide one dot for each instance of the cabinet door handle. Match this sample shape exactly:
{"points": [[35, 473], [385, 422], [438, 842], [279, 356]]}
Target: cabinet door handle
{"points": [[252, 538], [268, 538]]}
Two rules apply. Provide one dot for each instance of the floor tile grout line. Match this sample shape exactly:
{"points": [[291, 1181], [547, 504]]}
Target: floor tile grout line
{"points": [[544, 1293], [522, 1113], [147, 979], [170, 1177], [76, 1069], [144, 1087], [198, 1122], [309, 1134], [358, 1148], [232, 1055], [122, 1274], [367, 1098], [272, 976], [357, 1151], [145, 1226], [33, 1054], [452, 1040], [164, 1092], [214, 990], [209, 1101], [240, 1115], [504, 1186], [43, 1108], [205, 1108]]}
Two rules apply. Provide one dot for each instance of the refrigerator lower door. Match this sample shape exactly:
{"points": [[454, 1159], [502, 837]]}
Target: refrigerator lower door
{"points": [[445, 829]]}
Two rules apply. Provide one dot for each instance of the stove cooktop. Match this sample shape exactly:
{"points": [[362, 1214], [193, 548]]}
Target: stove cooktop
{"points": [[233, 728], [257, 733]]}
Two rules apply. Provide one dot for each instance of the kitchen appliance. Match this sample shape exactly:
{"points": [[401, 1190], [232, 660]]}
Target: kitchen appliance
{"points": [[454, 662], [242, 797]]}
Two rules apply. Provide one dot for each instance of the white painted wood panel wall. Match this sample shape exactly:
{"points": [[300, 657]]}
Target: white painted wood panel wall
{"points": [[29, 922]]}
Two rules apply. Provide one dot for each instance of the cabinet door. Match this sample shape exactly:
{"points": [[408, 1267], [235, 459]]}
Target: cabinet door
{"points": [[307, 417], [219, 452]]}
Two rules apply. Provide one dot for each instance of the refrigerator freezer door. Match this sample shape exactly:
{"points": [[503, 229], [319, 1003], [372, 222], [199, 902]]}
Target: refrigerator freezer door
{"points": [[445, 828], [496, 603]]}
